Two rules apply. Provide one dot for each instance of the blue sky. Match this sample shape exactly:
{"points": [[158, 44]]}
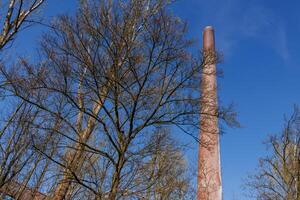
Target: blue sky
{"points": [[260, 42]]}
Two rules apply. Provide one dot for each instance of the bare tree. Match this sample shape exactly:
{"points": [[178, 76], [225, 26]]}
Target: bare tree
{"points": [[278, 176], [111, 76], [112, 83], [15, 15], [23, 169], [17, 158]]}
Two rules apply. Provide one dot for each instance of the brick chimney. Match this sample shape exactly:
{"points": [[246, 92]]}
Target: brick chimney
{"points": [[209, 168]]}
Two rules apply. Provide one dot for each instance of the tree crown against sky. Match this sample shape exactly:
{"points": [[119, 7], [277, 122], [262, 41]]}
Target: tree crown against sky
{"points": [[95, 110]]}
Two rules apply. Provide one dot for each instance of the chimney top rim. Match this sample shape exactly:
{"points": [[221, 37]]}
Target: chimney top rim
{"points": [[208, 27]]}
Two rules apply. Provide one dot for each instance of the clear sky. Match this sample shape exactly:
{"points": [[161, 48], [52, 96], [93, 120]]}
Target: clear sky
{"points": [[260, 42]]}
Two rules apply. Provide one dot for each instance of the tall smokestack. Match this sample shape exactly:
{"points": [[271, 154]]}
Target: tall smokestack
{"points": [[209, 169]]}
